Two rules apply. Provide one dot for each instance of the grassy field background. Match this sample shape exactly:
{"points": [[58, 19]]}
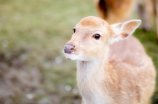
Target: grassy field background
{"points": [[32, 36]]}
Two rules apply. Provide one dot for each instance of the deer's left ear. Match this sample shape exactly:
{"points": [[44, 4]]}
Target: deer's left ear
{"points": [[123, 30]]}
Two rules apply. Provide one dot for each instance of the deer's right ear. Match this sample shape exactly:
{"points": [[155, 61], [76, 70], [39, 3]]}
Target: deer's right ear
{"points": [[123, 30]]}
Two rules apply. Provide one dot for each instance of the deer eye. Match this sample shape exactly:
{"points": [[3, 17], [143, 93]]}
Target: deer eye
{"points": [[96, 36], [74, 30]]}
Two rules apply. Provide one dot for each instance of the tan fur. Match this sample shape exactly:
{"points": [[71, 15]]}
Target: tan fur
{"points": [[133, 54], [120, 10], [121, 73], [114, 11], [91, 23]]}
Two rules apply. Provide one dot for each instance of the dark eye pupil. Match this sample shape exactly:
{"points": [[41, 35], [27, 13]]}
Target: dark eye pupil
{"points": [[74, 30], [96, 36]]}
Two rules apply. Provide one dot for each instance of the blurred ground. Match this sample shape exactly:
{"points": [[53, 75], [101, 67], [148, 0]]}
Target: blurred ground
{"points": [[32, 36]]}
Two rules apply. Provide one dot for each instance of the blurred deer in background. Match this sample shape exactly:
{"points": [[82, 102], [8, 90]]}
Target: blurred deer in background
{"points": [[120, 10], [156, 13], [110, 71]]}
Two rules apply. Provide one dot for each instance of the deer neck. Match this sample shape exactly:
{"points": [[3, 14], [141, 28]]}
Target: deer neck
{"points": [[92, 69], [91, 79]]}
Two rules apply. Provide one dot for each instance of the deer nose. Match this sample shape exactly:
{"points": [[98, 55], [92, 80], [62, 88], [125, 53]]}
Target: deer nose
{"points": [[69, 49]]}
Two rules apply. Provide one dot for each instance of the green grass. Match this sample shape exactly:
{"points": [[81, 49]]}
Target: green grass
{"points": [[148, 39], [35, 32]]}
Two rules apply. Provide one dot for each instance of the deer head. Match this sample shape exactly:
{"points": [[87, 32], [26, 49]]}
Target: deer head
{"points": [[92, 36]]}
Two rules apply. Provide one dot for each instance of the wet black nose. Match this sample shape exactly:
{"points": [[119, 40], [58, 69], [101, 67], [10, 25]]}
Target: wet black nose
{"points": [[69, 49]]}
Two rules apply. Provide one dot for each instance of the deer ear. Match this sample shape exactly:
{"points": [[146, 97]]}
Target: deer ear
{"points": [[123, 30]]}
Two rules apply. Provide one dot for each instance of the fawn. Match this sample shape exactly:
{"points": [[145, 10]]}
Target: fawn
{"points": [[110, 71]]}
